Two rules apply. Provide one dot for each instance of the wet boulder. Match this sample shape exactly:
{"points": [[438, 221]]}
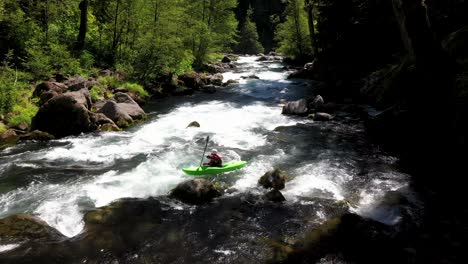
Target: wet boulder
{"points": [[36, 135], [274, 196], [182, 91], [317, 103], [357, 239], [197, 191], [299, 108], [274, 179], [8, 137], [64, 115], [263, 58], [103, 123], [226, 59], [209, 89], [121, 225], [321, 117], [23, 228], [117, 114], [216, 79], [192, 80], [230, 82], [194, 124]]}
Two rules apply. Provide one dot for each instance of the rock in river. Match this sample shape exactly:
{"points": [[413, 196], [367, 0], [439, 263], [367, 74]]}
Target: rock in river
{"points": [[197, 191], [273, 179]]}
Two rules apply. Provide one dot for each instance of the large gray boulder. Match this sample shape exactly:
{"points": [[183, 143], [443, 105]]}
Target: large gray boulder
{"points": [[296, 108], [64, 115], [197, 191], [127, 104], [82, 97], [116, 113]]}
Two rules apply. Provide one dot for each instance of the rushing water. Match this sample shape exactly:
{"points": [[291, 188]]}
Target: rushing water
{"points": [[59, 180]]}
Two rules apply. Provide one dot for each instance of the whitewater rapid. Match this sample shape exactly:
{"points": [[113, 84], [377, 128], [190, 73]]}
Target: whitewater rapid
{"points": [[147, 160]]}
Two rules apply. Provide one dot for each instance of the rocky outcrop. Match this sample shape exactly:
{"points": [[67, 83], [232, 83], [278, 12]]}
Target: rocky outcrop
{"points": [[274, 179], [198, 191], [299, 108], [8, 137], [120, 225], [46, 90], [356, 240], [24, 228], [216, 79], [192, 80]]}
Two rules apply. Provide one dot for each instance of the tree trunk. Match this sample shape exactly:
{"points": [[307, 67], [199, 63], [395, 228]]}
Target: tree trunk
{"points": [[310, 15], [80, 44], [116, 19]]}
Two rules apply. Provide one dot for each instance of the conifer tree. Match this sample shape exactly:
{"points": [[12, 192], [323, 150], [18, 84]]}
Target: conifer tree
{"points": [[293, 35], [248, 39]]}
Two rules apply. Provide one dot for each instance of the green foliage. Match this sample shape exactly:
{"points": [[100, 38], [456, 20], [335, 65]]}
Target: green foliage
{"points": [[293, 35], [248, 40], [3, 127], [97, 93], [136, 88], [26, 111]]}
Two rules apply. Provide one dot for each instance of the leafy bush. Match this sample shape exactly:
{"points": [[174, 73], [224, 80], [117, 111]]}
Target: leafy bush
{"points": [[26, 112], [3, 127], [136, 88]]}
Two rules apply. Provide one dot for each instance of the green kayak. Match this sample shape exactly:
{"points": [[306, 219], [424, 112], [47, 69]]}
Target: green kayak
{"points": [[199, 171]]}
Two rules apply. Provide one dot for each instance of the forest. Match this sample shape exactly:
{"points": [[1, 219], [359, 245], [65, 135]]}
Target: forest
{"points": [[357, 110]]}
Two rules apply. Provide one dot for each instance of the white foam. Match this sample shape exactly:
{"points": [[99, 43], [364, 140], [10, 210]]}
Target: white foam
{"points": [[8, 247], [371, 197], [317, 179]]}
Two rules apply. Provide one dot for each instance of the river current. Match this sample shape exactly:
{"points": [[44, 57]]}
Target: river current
{"points": [[60, 180]]}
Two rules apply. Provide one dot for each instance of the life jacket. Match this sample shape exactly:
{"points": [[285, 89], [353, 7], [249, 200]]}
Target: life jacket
{"points": [[215, 159]]}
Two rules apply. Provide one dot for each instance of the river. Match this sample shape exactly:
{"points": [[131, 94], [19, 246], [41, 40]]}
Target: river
{"points": [[60, 180]]}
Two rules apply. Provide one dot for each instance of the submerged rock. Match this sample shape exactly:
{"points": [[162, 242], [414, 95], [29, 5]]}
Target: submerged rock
{"points": [[273, 179], [23, 228], [322, 117], [194, 124], [197, 191], [274, 196]]}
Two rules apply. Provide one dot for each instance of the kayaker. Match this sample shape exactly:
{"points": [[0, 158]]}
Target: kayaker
{"points": [[215, 159]]}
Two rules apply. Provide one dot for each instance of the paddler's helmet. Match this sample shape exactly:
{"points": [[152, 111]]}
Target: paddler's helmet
{"points": [[214, 151]]}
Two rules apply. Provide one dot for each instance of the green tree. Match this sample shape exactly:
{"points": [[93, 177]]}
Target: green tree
{"points": [[248, 38], [293, 35]]}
